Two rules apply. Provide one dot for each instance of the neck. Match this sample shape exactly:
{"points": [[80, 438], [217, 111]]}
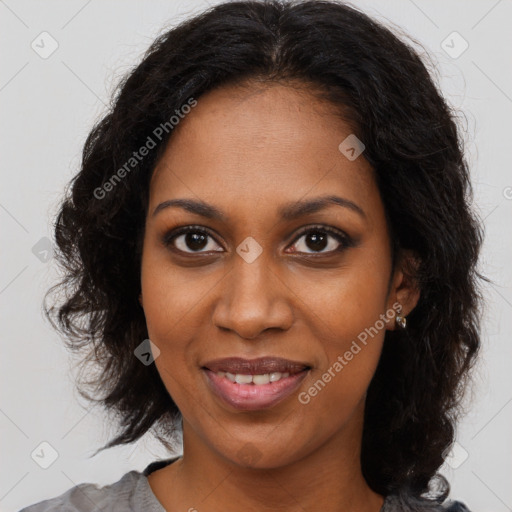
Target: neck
{"points": [[328, 479]]}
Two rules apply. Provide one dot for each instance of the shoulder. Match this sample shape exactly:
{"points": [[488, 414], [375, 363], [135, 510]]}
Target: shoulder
{"points": [[455, 506], [408, 503], [88, 497]]}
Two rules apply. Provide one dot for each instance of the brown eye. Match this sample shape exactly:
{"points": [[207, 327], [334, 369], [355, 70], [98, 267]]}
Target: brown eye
{"points": [[317, 239], [312, 240], [191, 239]]}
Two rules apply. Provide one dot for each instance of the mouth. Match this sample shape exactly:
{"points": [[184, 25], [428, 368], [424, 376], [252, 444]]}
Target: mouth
{"points": [[246, 384]]}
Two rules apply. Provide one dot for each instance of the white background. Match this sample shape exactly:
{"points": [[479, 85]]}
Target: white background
{"points": [[47, 108]]}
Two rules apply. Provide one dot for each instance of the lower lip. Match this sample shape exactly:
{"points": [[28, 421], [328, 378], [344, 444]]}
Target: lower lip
{"points": [[251, 397]]}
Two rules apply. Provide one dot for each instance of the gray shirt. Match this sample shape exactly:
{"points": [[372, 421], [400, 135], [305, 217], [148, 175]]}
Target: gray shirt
{"points": [[132, 493]]}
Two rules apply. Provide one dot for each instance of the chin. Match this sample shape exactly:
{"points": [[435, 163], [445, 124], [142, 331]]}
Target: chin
{"points": [[250, 456]]}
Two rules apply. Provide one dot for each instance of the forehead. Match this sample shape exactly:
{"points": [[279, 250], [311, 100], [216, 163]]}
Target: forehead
{"points": [[267, 144]]}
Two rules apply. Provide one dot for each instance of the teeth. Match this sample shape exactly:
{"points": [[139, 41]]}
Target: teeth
{"points": [[261, 379], [254, 379], [243, 379]]}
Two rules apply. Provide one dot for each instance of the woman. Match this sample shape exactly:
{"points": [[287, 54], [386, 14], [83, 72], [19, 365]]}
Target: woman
{"points": [[271, 240]]}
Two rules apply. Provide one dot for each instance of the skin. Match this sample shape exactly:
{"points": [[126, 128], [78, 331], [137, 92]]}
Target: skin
{"points": [[248, 151]]}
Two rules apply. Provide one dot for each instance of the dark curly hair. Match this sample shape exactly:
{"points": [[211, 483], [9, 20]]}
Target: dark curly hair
{"points": [[383, 87]]}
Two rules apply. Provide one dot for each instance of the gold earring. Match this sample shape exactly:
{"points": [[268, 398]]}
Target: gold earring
{"points": [[401, 320]]}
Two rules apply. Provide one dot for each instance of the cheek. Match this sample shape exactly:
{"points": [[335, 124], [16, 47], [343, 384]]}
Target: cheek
{"points": [[170, 297], [168, 308], [169, 305], [349, 318], [342, 305], [346, 367]]}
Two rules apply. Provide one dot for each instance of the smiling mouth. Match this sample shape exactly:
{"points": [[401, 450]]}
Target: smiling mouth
{"points": [[255, 380], [257, 384], [260, 366]]}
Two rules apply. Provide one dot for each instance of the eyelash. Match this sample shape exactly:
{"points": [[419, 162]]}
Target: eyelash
{"points": [[344, 240]]}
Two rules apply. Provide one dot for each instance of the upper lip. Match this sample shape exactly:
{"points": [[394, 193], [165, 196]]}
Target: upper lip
{"points": [[257, 366]]}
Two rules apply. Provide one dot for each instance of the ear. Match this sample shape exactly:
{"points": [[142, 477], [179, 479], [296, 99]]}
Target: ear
{"points": [[404, 288], [140, 299]]}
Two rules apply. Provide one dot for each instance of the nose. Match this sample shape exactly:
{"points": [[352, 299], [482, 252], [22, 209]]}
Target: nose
{"points": [[252, 299]]}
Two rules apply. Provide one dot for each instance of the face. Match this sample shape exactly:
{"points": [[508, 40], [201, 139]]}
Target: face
{"points": [[253, 282]]}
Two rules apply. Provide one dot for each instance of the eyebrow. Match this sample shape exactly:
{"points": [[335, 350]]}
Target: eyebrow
{"points": [[288, 212]]}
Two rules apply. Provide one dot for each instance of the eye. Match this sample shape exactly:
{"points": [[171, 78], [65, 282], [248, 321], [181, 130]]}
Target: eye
{"points": [[194, 238], [318, 238]]}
